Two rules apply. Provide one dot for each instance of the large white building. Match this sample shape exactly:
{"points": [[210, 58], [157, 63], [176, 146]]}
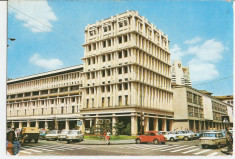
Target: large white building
{"points": [[126, 72]]}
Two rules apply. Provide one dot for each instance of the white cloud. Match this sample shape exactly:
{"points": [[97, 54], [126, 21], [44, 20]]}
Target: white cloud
{"points": [[176, 53], [48, 64], [202, 58], [202, 71], [193, 41], [39, 10], [210, 50]]}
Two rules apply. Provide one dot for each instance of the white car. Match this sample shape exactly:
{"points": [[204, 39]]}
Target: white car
{"points": [[184, 136], [212, 139], [169, 135], [63, 134], [52, 135], [74, 135]]}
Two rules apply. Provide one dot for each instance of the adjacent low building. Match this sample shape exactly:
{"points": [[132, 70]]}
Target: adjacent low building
{"points": [[197, 110]]}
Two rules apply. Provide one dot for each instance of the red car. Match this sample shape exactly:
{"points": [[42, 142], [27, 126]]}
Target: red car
{"points": [[151, 136]]}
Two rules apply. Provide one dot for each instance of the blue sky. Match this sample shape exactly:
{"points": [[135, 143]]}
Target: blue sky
{"points": [[200, 34]]}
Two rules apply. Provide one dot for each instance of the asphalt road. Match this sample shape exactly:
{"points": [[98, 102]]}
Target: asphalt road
{"points": [[117, 148]]}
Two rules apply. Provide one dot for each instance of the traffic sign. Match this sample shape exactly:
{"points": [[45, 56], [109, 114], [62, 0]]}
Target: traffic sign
{"points": [[225, 119], [79, 122]]}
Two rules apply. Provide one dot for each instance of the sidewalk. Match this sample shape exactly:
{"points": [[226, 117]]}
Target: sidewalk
{"points": [[103, 142]]}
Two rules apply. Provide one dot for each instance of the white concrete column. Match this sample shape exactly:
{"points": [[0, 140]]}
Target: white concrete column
{"points": [[146, 124], [171, 124], [37, 124], [12, 125], [66, 124], [200, 125], [28, 124], [163, 124], [194, 126], [46, 124], [20, 125], [82, 128], [134, 125], [155, 124], [114, 121]]}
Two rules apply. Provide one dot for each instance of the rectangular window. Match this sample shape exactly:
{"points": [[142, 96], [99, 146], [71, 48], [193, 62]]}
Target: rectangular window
{"points": [[126, 99], [125, 38], [102, 101], [88, 75], [52, 101], [94, 46], [126, 86], [108, 88], [33, 111], [93, 60], [108, 72], [103, 73], [109, 42], [125, 69], [120, 100], [62, 110], [42, 102], [92, 90], [108, 101], [87, 91], [125, 53], [120, 87], [73, 109], [89, 47], [103, 57], [104, 44], [119, 54], [120, 24], [88, 61], [120, 39], [73, 99], [62, 100], [92, 102], [109, 57], [17, 112], [87, 103], [42, 110], [51, 110], [102, 88], [119, 70], [25, 112]]}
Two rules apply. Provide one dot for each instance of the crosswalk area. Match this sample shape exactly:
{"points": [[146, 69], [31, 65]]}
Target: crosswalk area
{"points": [[151, 148]]}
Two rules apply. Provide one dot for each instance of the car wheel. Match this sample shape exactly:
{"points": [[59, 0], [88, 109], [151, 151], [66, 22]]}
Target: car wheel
{"points": [[156, 142], [218, 146], [172, 139], [186, 138], [138, 141]]}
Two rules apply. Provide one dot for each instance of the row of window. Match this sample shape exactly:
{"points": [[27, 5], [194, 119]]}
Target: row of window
{"points": [[42, 112], [108, 42], [219, 107], [45, 102], [110, 26], [195, 112], [43, 92], [194, 98], [40, 82], [108, 72], [108, 57], [120, 87]]}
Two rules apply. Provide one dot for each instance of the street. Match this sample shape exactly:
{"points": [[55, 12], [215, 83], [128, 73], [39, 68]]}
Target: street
{"points": [[117, 148]]}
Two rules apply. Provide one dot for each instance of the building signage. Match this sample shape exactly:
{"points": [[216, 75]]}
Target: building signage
{"points": [[225, 119]]}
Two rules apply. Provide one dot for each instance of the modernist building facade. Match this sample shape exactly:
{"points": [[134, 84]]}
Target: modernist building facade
{"points": [[196, 111], [47, 100], [126, 73]]}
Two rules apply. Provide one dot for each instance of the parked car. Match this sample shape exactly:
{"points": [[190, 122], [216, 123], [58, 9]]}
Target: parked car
{"points": [[184, 136], [43, 133], [74, 135], [169, 135], [212, 139], [28, 134], [199, 134], [191, 132], [63, 134], [151, 136], [52, 135]]}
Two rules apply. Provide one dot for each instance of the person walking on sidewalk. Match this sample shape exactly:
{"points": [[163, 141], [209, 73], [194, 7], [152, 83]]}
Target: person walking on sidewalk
{"points": [[108, 138]]}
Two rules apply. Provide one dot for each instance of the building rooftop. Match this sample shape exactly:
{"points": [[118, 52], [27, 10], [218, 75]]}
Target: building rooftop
{"points": [[224, 97], [45, 74]]}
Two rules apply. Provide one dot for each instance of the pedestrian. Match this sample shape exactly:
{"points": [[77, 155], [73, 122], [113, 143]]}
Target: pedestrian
{"points": [[13, 146], [108, 138]]}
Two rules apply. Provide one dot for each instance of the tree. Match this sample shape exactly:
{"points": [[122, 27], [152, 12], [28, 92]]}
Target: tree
{"points": [[119, 128], [103, 126], [128, 129]]}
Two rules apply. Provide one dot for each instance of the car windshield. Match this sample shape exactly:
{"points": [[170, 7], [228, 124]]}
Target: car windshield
{"points": [[209, 135], [74, 132], [53, 132], [65, 132]]}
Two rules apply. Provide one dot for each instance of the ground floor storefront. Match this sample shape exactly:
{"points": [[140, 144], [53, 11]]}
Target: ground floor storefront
{"points": [[149, 119]]}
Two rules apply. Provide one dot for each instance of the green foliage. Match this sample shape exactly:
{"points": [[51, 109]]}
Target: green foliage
{"points": [[128, 129], [103, 126], [122, 129]]}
